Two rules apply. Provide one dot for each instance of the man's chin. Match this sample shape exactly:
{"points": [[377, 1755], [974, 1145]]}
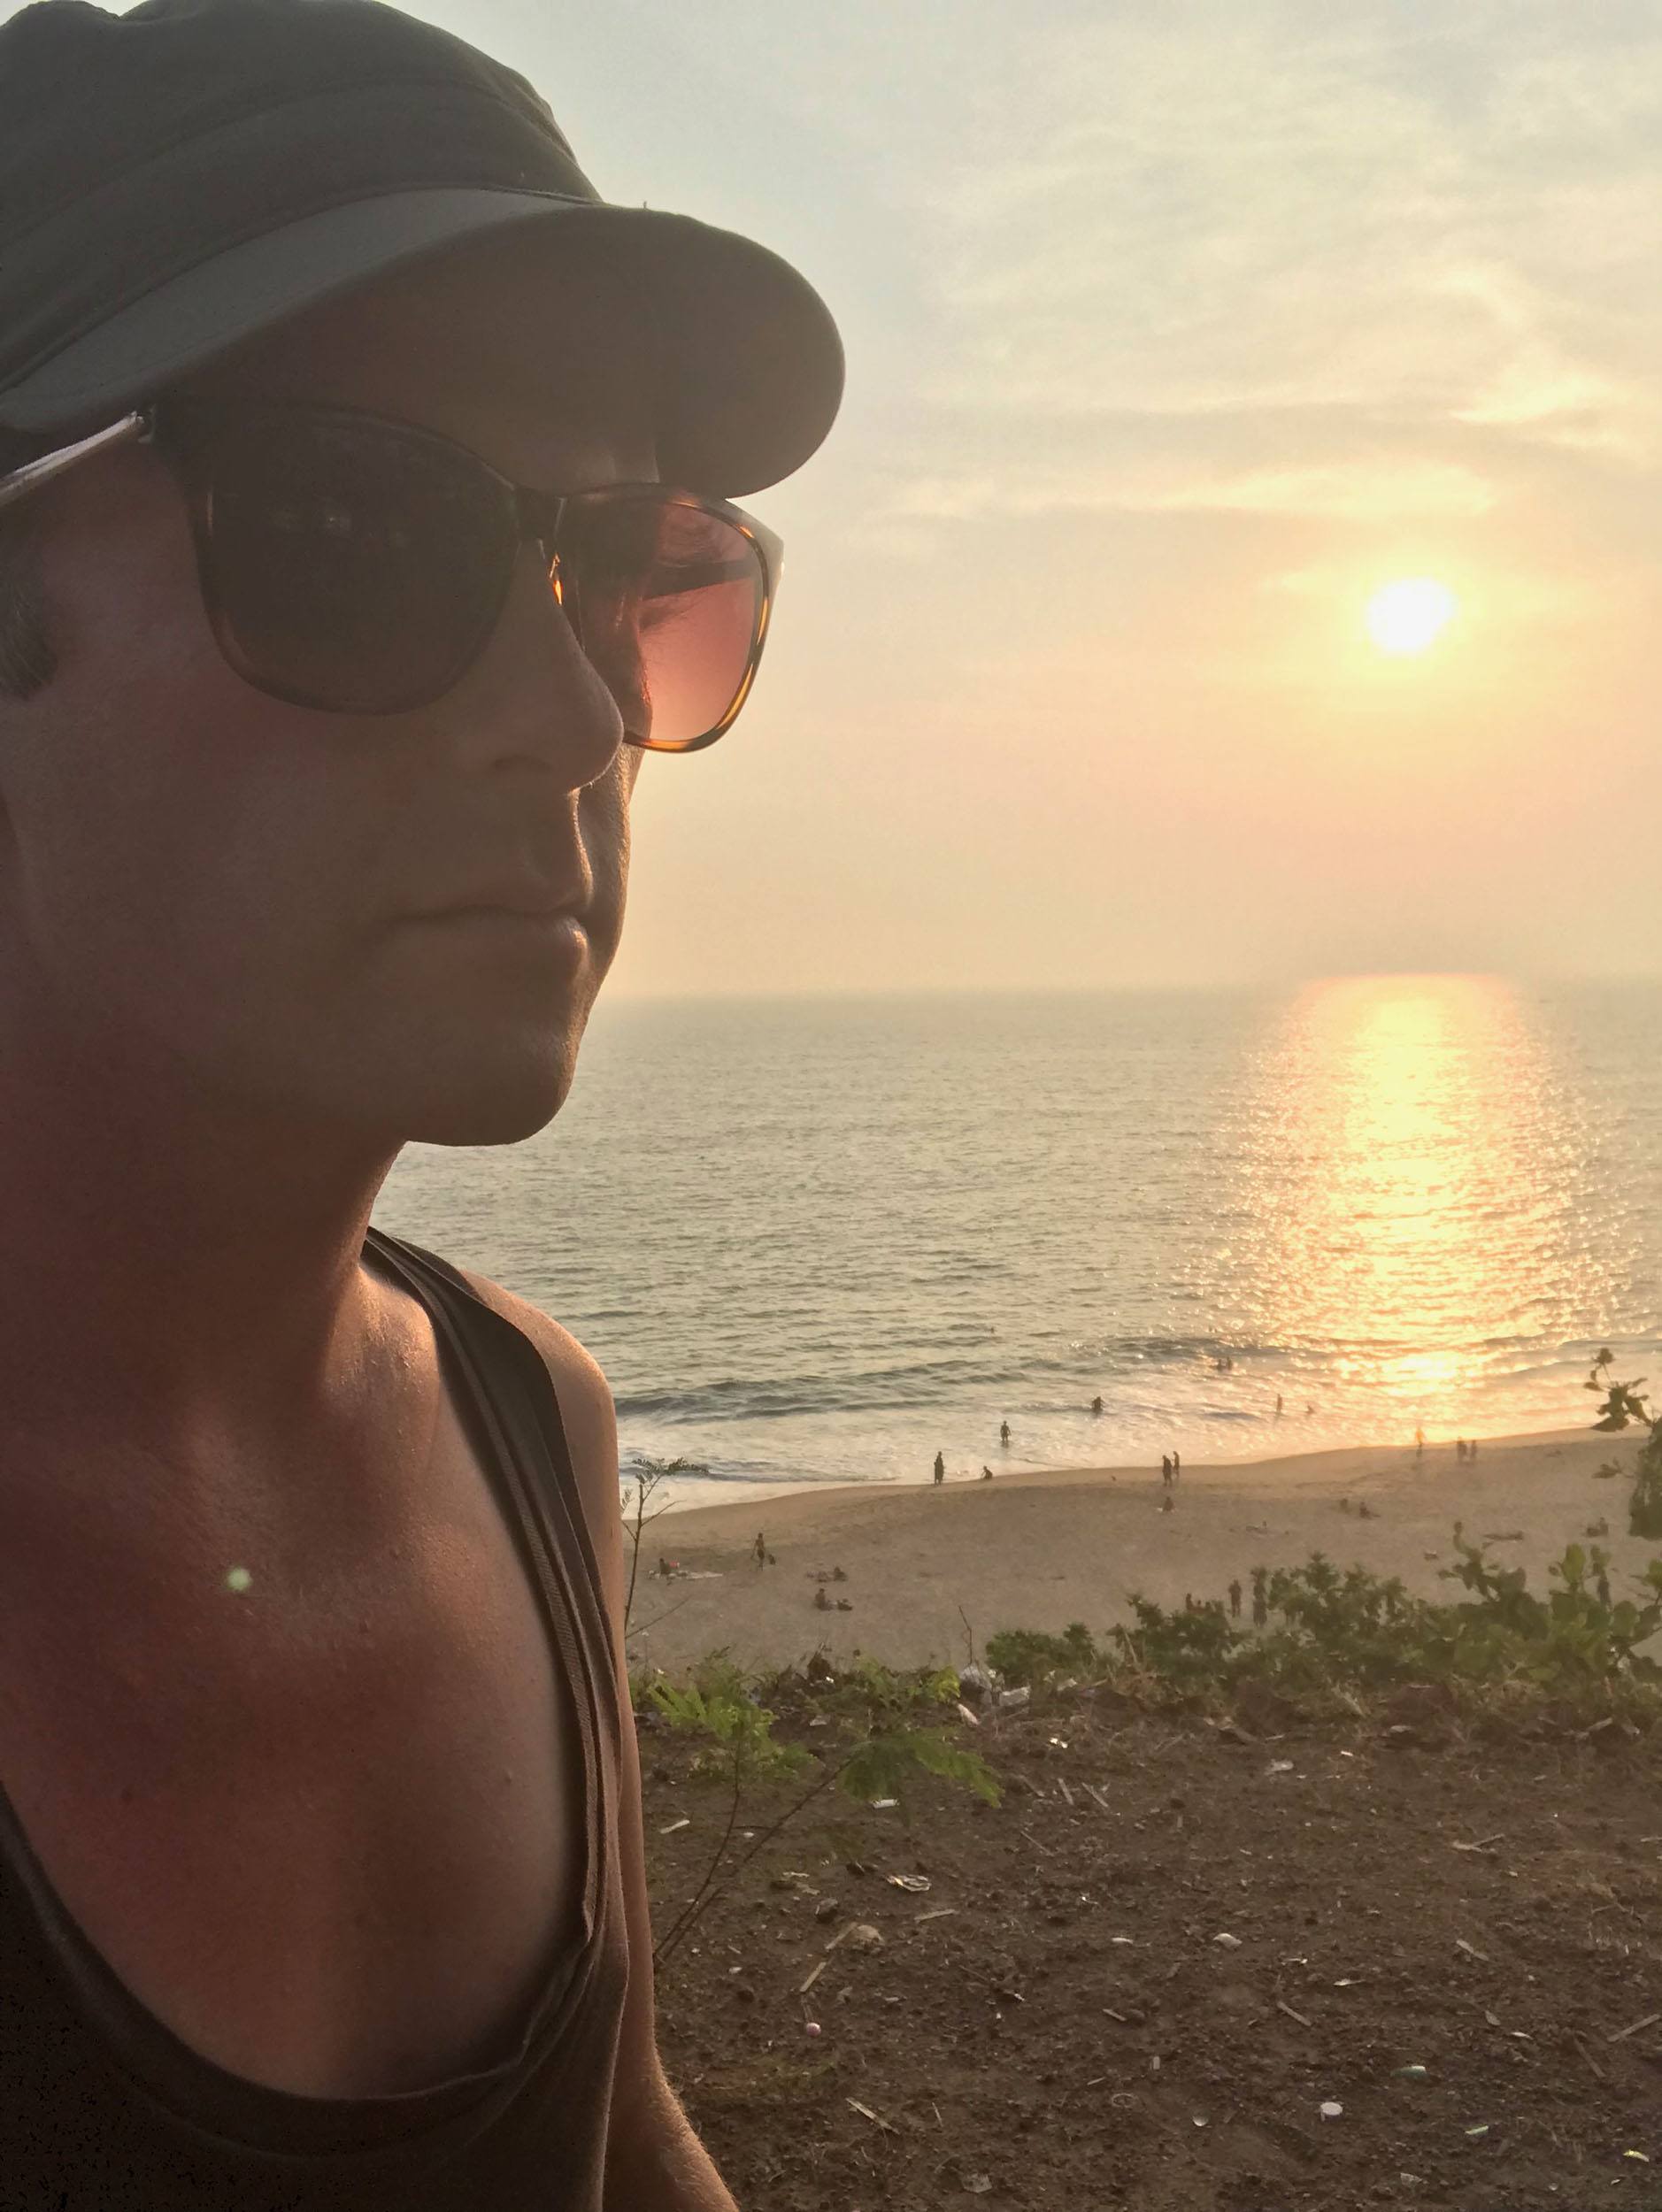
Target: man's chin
{"points": [[483, 1095], [490, 1112]]}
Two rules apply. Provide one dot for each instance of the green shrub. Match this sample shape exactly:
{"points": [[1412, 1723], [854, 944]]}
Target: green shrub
{"points": [[869, 1689], [735, 1730], [887, 1765], [1332, 1631], [1573, 1637], [1191, 1650], [1623, 1404], [1022, 1655], [876, 1751], [1644, 1504]]}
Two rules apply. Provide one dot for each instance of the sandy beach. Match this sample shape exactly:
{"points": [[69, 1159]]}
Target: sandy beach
{"points": [[1041, 1549]]}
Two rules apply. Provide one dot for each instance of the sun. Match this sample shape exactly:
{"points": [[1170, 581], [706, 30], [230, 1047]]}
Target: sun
{"points": [[1408, 616]]}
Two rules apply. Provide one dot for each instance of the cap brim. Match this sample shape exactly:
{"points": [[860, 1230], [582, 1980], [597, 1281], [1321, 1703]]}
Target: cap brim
{"points": [[754, 365]]}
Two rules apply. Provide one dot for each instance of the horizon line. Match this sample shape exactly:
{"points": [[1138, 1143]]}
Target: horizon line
{"points": [[1231, 986]]}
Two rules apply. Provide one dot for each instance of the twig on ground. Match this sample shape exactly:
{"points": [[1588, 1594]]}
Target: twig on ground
{"points": [[866, 2113]]}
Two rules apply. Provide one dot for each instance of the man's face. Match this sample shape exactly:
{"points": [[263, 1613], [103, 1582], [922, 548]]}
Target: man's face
{"points": [[304, 916]]}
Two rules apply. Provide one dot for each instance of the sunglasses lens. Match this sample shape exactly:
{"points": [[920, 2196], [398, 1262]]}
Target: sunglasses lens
{"points": [[667, 601], [350, 565]]}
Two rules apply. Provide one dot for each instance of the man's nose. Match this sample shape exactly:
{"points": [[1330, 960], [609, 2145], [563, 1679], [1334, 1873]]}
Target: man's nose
{"points": [[534, 698]]}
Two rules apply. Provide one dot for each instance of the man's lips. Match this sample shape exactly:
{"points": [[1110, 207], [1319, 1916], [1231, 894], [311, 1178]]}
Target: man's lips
{"points": [[508, 923], [513, 910], [521, 899]]}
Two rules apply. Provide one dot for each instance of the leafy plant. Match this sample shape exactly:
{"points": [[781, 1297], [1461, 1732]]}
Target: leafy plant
{"points": [[1645, 1502], [1622, 1405], [1187, 1649], [1024, 1654], [1337, 1631], [726, 1712], [867, 1687], [887, 1765], [1575, 1636], [735, 1730]]}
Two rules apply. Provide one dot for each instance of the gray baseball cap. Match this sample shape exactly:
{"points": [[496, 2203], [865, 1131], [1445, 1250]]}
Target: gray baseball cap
{"points": [[178, 179]]}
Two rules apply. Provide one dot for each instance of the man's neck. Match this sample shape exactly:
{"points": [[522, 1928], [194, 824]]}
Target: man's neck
{"points": [[173, 1267]]}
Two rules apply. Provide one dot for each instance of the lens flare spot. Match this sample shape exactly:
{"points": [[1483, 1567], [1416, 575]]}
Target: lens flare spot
{"points": [[238, 1578]]}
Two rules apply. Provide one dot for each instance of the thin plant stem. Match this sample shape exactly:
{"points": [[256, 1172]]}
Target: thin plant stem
{"points": [[696, 1905]]}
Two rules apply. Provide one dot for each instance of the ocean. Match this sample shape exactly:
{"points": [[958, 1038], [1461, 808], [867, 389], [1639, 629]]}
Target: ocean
{"points": [[817, 1240]]}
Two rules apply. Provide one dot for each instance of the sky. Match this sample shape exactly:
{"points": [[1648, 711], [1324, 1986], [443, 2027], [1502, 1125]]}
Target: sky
{"points": [[1174, 331]]}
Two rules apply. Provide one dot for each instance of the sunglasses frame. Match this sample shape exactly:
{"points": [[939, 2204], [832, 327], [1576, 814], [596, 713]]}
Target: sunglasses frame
{"points": [[175, 427]]}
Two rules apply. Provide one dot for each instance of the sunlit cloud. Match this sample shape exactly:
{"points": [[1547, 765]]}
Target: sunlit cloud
{"points": [[1216, 216], [1359, 491]]}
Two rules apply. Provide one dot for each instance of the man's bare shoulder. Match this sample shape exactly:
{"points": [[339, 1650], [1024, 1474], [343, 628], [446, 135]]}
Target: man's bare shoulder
{"points": [[585, 1402], [573, 1368]]}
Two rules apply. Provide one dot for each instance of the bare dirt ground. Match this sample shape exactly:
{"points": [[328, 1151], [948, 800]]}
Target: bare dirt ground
{"points": [[1134, 1985]]}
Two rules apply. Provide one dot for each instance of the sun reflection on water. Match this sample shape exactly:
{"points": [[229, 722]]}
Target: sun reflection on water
{"points": [[1417, 1142], [868, 1229]]}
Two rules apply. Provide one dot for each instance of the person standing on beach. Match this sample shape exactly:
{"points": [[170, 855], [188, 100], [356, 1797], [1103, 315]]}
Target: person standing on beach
{"points": [[940, 1467], [1095, 1405], [1004, 1434], [1278, 1405], [364, 524], [1177, 1466], [1260, 1596], [1166, 1469], [1235, 1599]]}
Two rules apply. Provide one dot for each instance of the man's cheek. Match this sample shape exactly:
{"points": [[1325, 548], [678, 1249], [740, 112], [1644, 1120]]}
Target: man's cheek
{"points": [[604, 809], [603, 819]]}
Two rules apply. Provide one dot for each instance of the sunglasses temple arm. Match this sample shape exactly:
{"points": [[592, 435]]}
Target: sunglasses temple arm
{"points": [[48, 466]]}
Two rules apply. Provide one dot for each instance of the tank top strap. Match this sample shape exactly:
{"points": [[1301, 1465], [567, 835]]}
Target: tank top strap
{"points": [[511, 1377]]}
